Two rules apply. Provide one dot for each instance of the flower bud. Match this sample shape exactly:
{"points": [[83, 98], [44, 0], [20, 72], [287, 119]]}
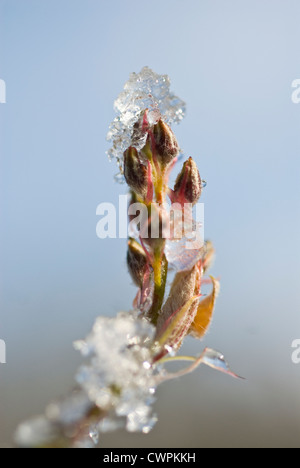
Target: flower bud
{"points": [[166, 145], [136, 174], [136, 261], [188, 185]]}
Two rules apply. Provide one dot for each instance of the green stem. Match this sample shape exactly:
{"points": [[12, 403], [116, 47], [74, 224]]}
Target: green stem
{"points": [[160, 275], [159, 186]]}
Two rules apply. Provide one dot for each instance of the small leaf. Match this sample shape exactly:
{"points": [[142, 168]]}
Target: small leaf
{"points": [[209, 357], [178, 312], [175, 329], [205, 311], [146, 293]]}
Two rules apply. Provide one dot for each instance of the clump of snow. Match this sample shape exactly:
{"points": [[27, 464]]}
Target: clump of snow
{"points": [[144, 90], [119, 375]]}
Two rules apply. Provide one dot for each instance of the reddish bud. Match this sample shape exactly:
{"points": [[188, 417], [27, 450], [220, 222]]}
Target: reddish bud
{"points": [[166, 145], [136, 261], [136, 174], [188, 185]]}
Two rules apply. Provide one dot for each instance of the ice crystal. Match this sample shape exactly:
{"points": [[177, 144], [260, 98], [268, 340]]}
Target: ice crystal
{"points": [[184, 248], [119, 374], [120, 380], [144, 90]]}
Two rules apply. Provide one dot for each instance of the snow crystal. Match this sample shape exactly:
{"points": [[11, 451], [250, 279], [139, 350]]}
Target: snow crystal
{"points": [[119, 375], [144, 90]]}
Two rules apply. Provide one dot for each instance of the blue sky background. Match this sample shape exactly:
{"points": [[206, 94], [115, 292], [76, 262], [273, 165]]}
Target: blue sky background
{"points": [[64, 62]]}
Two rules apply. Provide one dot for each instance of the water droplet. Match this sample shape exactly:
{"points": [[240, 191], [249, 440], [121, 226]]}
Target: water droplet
{"points": [[94, 435], [216, 360], [119, 178], [147, 365]]}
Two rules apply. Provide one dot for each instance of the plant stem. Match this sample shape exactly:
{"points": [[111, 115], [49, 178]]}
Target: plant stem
{"points": [[160, 278]]}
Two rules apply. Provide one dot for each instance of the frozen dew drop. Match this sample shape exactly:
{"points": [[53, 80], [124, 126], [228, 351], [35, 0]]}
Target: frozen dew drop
{"points": [[216, 360], [149, 426], [94, 435], [147, 365], [170, 350], [138, 419], [119, 178]]}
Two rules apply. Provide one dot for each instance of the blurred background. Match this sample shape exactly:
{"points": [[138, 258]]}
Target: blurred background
{"points": [[64, 63]]}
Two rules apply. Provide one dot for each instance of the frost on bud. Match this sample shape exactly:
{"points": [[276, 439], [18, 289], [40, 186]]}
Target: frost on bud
{"points": [[136, 174], [136, 261], [188, 185], [166, 145]]}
